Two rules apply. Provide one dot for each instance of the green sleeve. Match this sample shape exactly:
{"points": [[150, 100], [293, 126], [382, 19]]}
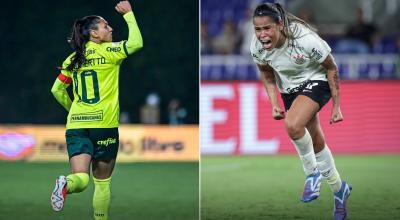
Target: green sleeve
{"points": [[59, 91], [135, 41]]}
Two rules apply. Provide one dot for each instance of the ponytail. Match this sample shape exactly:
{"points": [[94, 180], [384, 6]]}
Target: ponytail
{"points": [[79, 37]]}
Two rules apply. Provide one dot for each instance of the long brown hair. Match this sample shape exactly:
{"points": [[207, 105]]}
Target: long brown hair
{"points": [[79, 37], [278, 14]]}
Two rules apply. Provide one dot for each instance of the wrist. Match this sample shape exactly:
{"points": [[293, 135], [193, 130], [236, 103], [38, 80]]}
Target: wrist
{"points": [[127, 13]]}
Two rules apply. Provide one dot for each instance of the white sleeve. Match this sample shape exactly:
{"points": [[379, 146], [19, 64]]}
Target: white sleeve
{"points": [[255, 51], [316, 47]]}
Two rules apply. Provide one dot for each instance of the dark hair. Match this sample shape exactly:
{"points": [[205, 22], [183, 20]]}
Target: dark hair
{"points": [[278, 14], [79, 37]]}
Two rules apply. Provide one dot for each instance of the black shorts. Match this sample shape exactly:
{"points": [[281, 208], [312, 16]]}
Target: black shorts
{"points": [[317, 90], [101, 143]]}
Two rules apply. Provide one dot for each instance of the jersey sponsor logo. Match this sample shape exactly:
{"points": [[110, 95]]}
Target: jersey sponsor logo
{"points": [[316, 54], [108, 141], [298, 88], [296, 46], [88, 116], [113, 49], [91, 51]]}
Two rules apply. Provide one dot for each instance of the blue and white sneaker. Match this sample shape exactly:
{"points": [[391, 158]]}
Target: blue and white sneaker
{"points": [[340, 199], [312, 187]]}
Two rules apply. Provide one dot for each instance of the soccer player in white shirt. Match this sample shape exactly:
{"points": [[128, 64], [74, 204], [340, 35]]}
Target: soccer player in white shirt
{"points": [[291, 56]]}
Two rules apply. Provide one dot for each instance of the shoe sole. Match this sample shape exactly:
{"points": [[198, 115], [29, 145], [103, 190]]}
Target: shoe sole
{"points": [[57, 199], [310, 199]]}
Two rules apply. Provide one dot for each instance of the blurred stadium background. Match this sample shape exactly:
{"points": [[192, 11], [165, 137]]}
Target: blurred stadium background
{"points": [[159, 117], [249, 168]]}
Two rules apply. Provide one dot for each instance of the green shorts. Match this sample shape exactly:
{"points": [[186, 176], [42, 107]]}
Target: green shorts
{"points": [[101, 143]]}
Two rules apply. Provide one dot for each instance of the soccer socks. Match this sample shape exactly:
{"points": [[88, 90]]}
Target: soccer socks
{"points": [[77, 182], [326, 165], [101, 198], [304, 147]]}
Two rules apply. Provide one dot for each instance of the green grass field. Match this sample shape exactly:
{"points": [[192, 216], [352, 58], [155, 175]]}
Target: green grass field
{"points": [[142, 191], [269, 187]]}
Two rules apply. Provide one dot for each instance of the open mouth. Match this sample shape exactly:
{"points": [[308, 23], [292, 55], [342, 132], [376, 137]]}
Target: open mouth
{"points": [[267, 44]]}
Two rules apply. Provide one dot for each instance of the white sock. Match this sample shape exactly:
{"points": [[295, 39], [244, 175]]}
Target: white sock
{"points": [[304, 147], [326, 165]]}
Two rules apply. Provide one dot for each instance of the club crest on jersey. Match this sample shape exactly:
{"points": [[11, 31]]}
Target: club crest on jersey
{"points": [[299, 59]]}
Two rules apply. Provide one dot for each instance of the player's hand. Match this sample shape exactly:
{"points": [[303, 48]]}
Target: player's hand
{"points": [[123, 7], [336, 115], [278, 113]]}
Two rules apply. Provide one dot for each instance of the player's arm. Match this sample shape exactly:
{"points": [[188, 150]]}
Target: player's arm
{"points": [[333, 80], [59, 90], [135, 40], [268, 79]]}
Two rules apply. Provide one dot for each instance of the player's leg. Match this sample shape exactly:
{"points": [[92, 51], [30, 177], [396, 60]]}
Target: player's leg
{"points": [[102, 170], [78, 180], [102, 167], [326, 165], [316, 133], [80, 150], [325, 161], [301, 112]]}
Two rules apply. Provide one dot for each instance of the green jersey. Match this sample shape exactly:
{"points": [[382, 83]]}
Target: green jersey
{"points": [[95, 86], [95, 83]]}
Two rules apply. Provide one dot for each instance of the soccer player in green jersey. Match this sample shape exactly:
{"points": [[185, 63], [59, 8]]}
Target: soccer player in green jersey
{"points": [[92, 123]]}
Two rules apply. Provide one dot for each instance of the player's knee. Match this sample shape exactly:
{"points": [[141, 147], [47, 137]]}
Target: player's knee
{"points": [[294, 130], [83, 183]]}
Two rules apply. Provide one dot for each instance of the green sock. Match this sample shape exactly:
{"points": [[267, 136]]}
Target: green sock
{"points": [[101, 198], [77, 182]]}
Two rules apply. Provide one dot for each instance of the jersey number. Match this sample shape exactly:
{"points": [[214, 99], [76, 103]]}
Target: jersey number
{"points": [[87, 74]]}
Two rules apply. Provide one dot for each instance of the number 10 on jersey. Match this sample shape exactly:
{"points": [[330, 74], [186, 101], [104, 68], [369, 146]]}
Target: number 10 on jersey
{"points": [[89, 86]]}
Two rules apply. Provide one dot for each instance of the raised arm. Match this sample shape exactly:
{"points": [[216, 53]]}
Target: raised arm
{"points": [[268, 79], [333, 80], [59, 91], [135, 41]]}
